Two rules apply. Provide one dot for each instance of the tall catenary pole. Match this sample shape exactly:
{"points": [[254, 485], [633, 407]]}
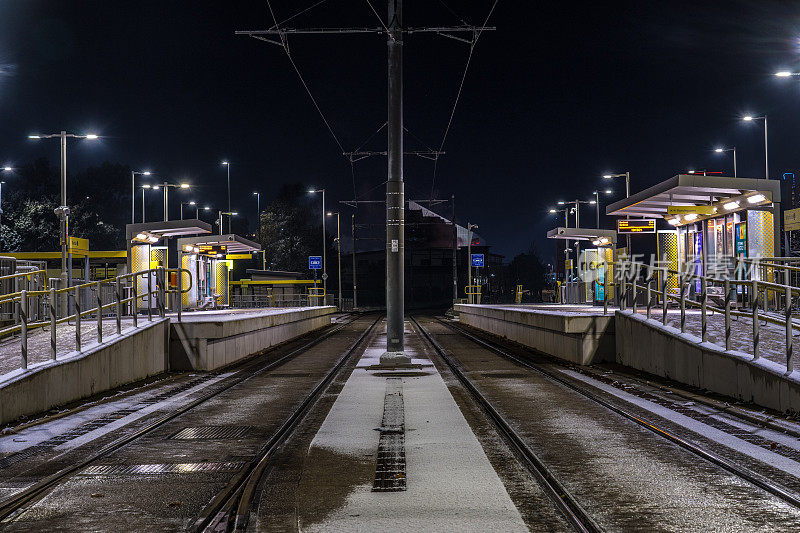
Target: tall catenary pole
{"points": [[395, 201], [353, 235], [65, 269], [455, 248]]}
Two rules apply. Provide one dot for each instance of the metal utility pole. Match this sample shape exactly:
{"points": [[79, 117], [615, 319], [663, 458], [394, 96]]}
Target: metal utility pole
{"points": [[469, 260], [395, 197], [395, 203], [353, 235], [455, 248]]}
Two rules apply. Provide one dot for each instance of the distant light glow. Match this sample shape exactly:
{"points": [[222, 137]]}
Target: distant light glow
{"points": [[561, 203], [206, 208], [691, 172], [185, 185], [34, 136], [756, 198], [145, 186], [783, 74], [146, 173], [192, 203], [225, 163], [747, 118], [553, 211], [609, 191], [719, 150], [8, 169], [607, 176], [91, 136], [156, 187], [592, 202]]}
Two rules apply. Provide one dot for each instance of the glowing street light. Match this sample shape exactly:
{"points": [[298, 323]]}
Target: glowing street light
{"points": [[786, 74], [166, 187], [750, 118], [133, 191], [732, 149], [63, 210]]}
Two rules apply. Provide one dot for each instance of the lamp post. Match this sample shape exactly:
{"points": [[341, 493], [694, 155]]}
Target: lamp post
{"points": [[4, 169], [339, 252], [145, 187], [166, 187], [353, 234], [469, 260], [567, 249], [733, 149], [186, 203], [597, 204], [133, 191], [750, 118], [627, 176], [227, 166], [63, 210], [324, 243], [230, 214]]}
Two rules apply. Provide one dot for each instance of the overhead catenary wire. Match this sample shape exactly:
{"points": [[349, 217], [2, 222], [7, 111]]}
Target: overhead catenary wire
{"points": [[309, 8], [302, 80], [475, 38]]}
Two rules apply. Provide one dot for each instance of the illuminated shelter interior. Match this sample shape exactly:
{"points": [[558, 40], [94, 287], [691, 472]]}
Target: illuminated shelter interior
{"points": [[715, 217], [205, 258], [593, 262]]}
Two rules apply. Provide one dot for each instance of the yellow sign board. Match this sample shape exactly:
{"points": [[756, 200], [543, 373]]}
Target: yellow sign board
{"points": [[791, 219], [636, 225], [238, 256], [78, 245], [689, 209]]}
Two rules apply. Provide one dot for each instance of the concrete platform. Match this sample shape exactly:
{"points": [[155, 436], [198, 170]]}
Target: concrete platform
{"points": [[579, 334], [211, 340], [450, 484]]}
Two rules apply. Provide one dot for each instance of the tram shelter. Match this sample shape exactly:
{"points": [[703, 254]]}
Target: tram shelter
{"points": [[593, 263]]}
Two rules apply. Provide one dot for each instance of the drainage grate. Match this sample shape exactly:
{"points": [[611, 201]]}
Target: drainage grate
{"points": [[503, 375], [163, 468], [213, 432], [390, 471]]}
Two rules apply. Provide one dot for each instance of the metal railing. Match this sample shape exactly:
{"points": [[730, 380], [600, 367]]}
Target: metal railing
{"points": [[755, 292], [46, 305]]}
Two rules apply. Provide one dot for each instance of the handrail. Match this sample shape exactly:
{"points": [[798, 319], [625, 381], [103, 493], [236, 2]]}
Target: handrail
{"points": [[119, 302], [23, 274]]}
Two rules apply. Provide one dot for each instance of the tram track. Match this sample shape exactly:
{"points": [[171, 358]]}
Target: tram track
{"points": [[567, 504], [22, 500], [230, 509], [743, 473]]}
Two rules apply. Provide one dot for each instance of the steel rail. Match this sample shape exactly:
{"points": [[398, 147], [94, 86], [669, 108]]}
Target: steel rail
{"points": [[569, 506], [235, 500], [15, 503], [739, 471]]}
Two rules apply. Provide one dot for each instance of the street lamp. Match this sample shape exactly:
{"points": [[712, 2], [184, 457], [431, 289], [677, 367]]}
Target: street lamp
{"points": [[470, 227], [324, 243], [786, 74], [166, 187], [133, 191], [230, 214], [597, 204], [4, 169], [63, 210], [186, 203], [723, 150], [258, 208], [144, 187], [627, 176], [750, 118], [339, 259], [227, 166]]}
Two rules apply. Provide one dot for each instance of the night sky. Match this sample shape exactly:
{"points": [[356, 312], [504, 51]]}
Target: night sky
{"points": [[561, 93]]}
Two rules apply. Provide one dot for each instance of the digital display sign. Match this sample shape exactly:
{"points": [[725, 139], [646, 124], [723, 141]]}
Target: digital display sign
{"points": [[636, 225]]}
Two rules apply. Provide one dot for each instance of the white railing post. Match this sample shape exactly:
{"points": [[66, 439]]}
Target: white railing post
{"points": [[134, 303], [703, 308], [52, 308], [664, 279], [162, 301], [118, 300], [727, 314], [23, 317], [683, 304], [179, 296], [77, 321], [789, 345], [755, 320], [649, 296], [99, 313]]}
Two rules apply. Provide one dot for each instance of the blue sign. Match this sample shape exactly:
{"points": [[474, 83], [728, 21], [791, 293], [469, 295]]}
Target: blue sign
{"points": [[315, 262], [477, 260]]}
